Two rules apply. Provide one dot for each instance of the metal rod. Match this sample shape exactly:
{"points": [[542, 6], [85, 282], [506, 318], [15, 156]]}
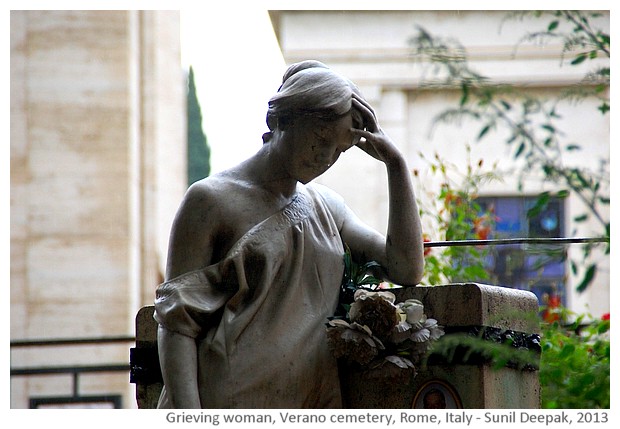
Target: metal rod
{"points": [[71, 341], [47, 370], [76, 384], [505, 241]]}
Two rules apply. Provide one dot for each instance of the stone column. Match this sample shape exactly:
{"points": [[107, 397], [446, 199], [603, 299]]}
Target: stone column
{"points": [[97, 172]]}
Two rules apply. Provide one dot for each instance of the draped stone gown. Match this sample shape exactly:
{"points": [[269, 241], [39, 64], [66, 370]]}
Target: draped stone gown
{"points": [[259, 314]]}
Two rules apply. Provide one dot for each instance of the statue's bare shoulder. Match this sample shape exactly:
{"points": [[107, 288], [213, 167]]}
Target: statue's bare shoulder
{"points": [[214, 214]]}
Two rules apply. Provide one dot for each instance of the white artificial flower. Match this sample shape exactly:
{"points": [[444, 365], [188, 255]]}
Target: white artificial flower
{"points": [[375, 310], [362, 294], [420, 335], [436, 331], [400, 361], [414, 310], [401, 332]]}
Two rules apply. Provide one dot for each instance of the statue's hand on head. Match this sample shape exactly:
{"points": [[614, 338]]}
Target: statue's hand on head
{"points": [[373, 140]]}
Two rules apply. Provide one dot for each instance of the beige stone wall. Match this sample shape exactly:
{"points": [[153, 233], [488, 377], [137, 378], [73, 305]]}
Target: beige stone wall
{"points": [[97, 171], [371, 48]]}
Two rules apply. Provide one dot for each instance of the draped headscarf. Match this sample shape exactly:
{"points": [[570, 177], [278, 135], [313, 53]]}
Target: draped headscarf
{"points": [[311, 89]]}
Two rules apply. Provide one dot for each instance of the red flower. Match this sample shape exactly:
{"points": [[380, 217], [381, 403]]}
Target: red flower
{"points": [[555, 301], [482, 227], [483, 233], [605, 316], [427, 250], [552, 313]]}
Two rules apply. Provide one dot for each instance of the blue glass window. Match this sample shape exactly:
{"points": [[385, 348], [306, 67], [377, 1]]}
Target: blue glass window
{"points": [[540, 269]]}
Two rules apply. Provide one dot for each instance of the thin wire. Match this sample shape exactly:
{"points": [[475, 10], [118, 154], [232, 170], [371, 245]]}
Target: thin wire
{"points": [[507, 241]]}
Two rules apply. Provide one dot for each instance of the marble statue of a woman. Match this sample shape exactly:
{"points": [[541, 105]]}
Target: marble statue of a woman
{"points": [[255, 257]]}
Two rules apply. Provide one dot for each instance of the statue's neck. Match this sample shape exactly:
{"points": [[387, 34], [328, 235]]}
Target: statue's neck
{"points": [[269, 171]]}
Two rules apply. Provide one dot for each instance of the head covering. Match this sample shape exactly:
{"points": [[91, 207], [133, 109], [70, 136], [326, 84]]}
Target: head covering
{"points": [[310, 88]]}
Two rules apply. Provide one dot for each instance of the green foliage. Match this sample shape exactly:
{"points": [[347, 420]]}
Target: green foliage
{"points": [[498, 355], [198, 151], [533, 124], [580, 43], [495, 349], [356, 276], [575, 363], [455, 215]]}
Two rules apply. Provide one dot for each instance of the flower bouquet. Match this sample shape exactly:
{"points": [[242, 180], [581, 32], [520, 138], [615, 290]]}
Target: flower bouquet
{"points": [[379, 333], [373, 336]]}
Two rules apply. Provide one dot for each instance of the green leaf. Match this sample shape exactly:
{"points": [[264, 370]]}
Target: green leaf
{"points": [[578, 180], [587, 279], [371, 264], [539, 205], [553, 25], [465, 91], [572, 147], [581, 218], [369, 280], [587, 380], [573, 267], [520, 150], [566, 351], [484, 130], [603, 327], [604, 108], [579, 59]]}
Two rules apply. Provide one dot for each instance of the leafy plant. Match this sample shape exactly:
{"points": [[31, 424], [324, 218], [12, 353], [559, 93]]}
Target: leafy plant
{"points": [[356, 276], [532, 123], [575, 362], [455, 215]]}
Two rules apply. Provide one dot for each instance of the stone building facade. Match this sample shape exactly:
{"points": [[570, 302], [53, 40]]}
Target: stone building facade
{"points": [[97, 171]]}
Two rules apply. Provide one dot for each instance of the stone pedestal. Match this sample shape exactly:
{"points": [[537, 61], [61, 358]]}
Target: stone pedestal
{"points": [[145, 371], [491, 313], [494, 314]]}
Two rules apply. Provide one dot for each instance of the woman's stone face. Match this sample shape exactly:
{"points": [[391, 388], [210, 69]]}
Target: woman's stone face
{"points": [[313, 145]]}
